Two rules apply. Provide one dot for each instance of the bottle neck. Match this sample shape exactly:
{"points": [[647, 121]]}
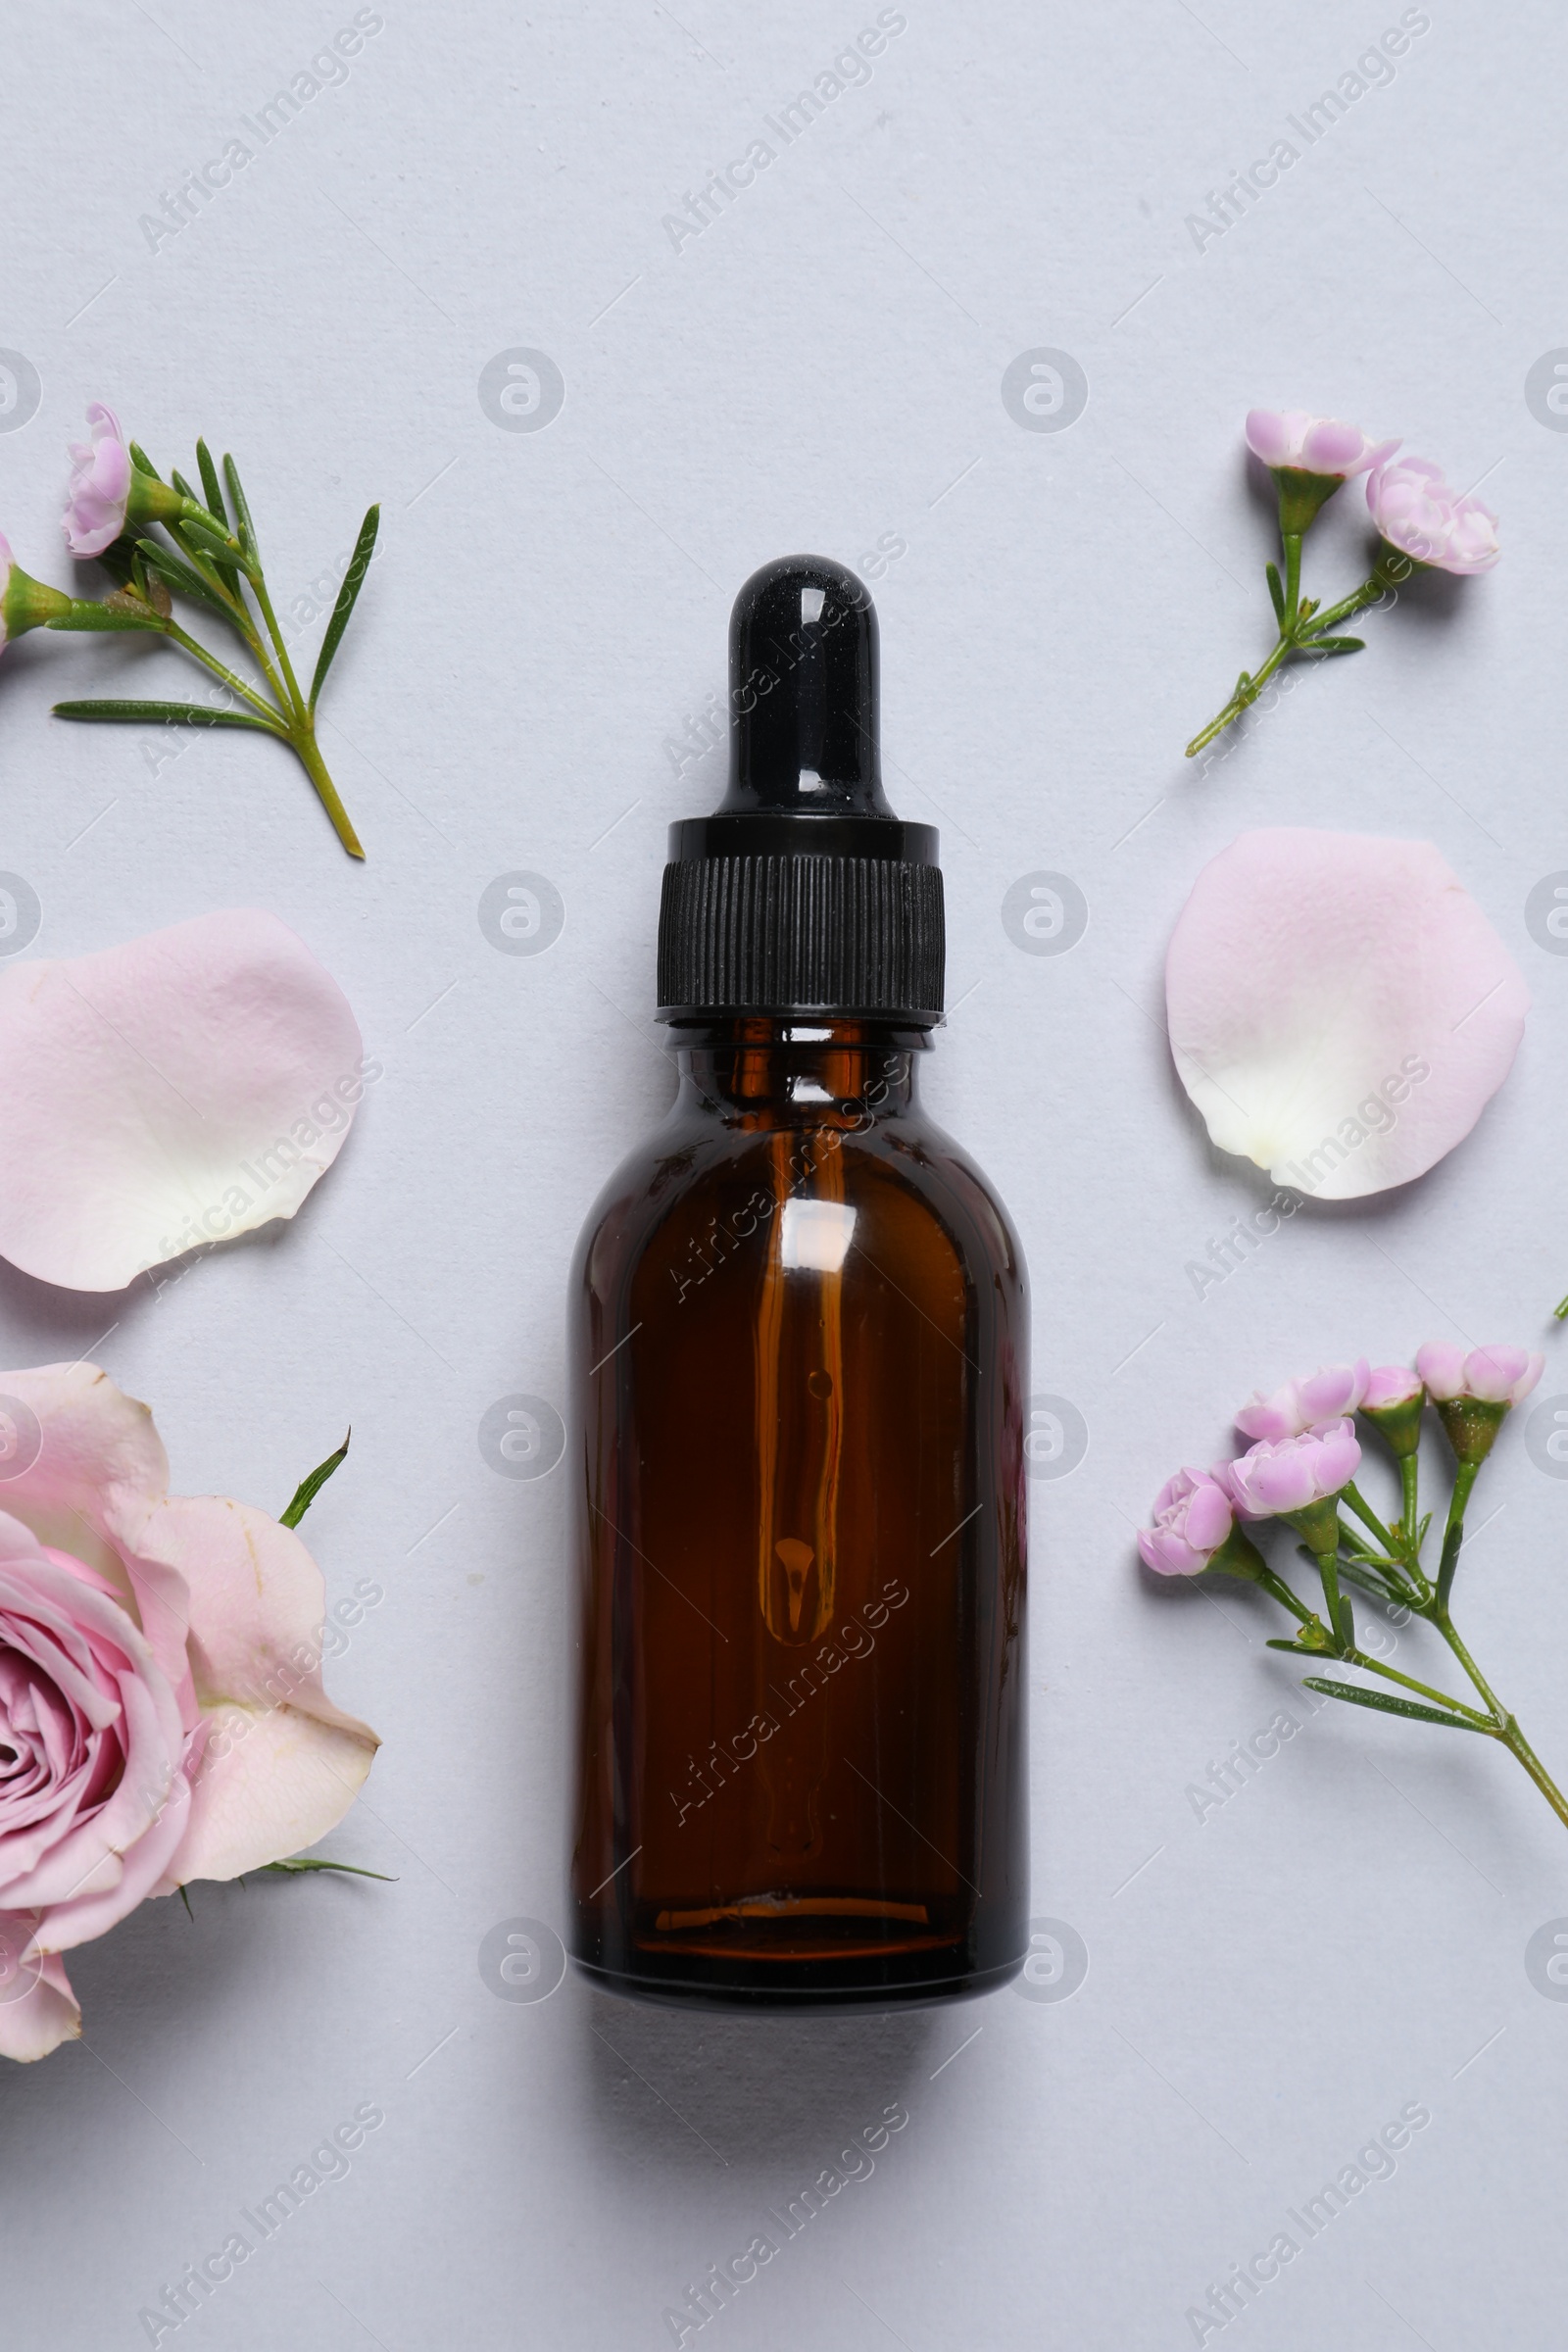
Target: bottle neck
{"points": [[773, 1072]]}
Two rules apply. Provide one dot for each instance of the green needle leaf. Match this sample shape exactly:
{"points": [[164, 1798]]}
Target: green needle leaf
{"points": [[208, 537], [85, 617], [306, 1862], [347, 596], [212, 487], [211, 499], [168, 714], [142, 461], [1359, 1573], [1276, 591], [1335, 644], [1388, 1706], [306, 1490], [244, 530], [176, 573]]}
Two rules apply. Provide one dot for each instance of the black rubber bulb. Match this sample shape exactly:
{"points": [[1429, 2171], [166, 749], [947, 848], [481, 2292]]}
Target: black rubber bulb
{"points": [[804, 685]]}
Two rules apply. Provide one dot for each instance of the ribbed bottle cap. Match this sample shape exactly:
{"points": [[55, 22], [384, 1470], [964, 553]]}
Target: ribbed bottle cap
{"points": [[803, 892]]}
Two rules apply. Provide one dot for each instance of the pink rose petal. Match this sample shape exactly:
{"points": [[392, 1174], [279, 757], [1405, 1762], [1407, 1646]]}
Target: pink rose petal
{"points": [[184, 1088], [38, 2010], [283, 1762], [1340, 1009]]}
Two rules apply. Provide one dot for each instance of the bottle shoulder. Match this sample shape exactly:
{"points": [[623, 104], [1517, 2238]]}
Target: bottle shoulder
{"points": [[897, 1172]]}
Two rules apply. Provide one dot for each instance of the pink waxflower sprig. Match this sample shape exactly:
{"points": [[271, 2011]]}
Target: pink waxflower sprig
{"points": [[116, 507], [1302, 1469], [1422, 524]]}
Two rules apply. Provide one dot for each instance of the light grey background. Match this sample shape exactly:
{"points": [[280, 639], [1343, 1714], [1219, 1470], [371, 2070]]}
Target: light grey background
{"points": [[821, 368]]}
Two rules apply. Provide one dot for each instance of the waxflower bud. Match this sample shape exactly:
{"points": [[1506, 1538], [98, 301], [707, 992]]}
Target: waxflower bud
{"points": [[1310, 1402], [1286, 1479], [110, 491], [1393, 1403], [25, 603], [1309, 458], [1195, 1528], [1193, 1517], [1422, 517], [1473, 1392]]}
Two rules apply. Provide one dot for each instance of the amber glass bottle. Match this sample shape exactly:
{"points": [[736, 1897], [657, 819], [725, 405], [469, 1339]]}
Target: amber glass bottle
{"points": [[800, 1335]]}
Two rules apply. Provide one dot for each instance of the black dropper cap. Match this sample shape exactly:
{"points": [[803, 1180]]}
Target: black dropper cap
{"points": [[803, 893]]}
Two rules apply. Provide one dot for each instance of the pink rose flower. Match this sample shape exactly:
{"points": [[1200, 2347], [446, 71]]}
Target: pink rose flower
{"points": [[1312, 444], [1389, 1385], [93, 1795], [162, 1714], [8, 565], [1273, 1478], [1192, 1520], [1417, 513], [100, 485], [1497, 1375], [1318, 1398]]}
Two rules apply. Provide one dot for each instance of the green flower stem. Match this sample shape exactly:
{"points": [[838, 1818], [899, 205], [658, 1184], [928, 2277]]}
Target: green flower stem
{"points": [[1240, 1557], [1282, 1593], [194, 647], [1505, 1725], [1293, 583], [1410, 1490], [1464, 1478], [1439, 1617], [1369, 1518], [198, 555], [233, 553], [1323, 1533], [309, 753], [1515, 1741], [1328, 1568], [1390, 570], [289, 713], [1248, 690], [1391, 1674], [296, 700], [253, 638], [1300, 629], [218, 560]]}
